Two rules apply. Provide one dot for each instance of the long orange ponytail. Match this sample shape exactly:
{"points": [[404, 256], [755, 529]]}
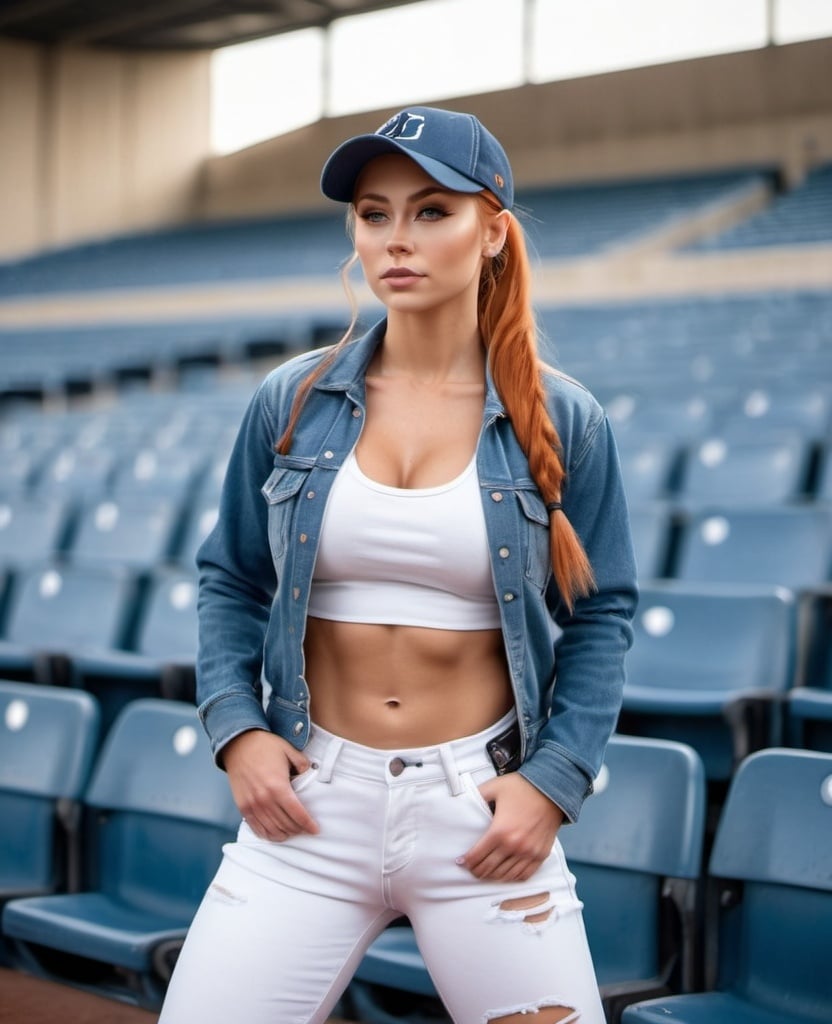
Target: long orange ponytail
{"points": [[509, 332]]}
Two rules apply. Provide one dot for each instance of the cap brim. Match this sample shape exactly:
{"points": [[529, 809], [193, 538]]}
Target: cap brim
{"points": [[342, 169]]}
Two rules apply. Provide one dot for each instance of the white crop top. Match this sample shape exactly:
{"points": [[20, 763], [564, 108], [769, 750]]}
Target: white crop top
{"points": [[404, 556]]}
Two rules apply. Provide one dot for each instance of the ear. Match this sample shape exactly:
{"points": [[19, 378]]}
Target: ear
{"points": [[496, 229]]}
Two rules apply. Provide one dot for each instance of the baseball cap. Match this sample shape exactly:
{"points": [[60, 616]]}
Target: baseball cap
{"points": [[454, 148]]}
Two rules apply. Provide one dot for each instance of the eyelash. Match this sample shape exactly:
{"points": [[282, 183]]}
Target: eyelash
{"points": [[370, 215]]}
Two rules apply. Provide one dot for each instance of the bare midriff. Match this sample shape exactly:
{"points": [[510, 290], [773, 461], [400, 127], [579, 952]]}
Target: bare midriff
{"points": [[389, 686]]}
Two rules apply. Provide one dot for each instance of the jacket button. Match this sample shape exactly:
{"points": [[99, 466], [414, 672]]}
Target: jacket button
{"points": [[508, 597], [496, 496], [303, 538], [328, 455], [504, 552], [310, 494], [356, 413], [297, 728]]}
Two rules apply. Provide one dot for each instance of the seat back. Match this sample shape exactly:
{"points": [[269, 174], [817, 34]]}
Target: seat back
{"points": [[134, 532], [168, 630], [162, 809], [48, 738], [786, 545], [775, 838], [31, 530], [697, 637], [643, 825], [67, 607], [724, 471]]}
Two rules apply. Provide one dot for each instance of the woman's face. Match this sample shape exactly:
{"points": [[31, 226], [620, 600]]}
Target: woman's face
{"points": [[420, 245]]}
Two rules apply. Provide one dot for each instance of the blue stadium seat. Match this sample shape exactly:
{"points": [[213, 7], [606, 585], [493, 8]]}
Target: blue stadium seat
{"points": [[770, 908], [789, 545], [709, 666], [48, 738], [56, 612], [200, 520], [652, 527], [138, 533], [636, 851], [159, 812], [721, 471], [809, 705], [161, 660], [647, 465], [160, 473], [32, 529]]}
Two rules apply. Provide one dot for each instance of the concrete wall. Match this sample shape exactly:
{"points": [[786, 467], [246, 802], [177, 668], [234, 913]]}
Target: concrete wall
{"points": [[96, 142], [770, 106]]}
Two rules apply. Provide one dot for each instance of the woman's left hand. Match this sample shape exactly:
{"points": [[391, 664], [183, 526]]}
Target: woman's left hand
{"points": [[522, 834]]}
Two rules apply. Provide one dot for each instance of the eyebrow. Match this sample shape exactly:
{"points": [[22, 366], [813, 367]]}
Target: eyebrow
{"points": [[421, 194]]}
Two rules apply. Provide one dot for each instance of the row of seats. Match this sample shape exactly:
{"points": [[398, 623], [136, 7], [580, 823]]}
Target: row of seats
{"points": [[800, 216], [758, 680], [113, 845], [563, 221]]}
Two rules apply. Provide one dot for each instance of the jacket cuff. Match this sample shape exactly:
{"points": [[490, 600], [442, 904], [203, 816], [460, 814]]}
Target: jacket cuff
{"points": [[226, 715], [558, 778]]}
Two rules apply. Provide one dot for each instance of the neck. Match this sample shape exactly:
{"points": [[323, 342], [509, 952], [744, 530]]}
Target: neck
{"points": [[431, 349]]}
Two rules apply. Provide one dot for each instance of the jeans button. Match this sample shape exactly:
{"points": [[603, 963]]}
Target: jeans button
{"points": [[397, 766]]}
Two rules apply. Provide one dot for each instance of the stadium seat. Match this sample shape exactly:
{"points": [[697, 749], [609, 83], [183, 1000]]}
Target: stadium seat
{"points": [[200, 519], [786, 545], [159, 473], [136, 532], [770, 903], [160, 661], [722, 472], [808, 706], [709, 666], [636, 852], [647, 465], [32, 529], [652, 527], [48, 738], [56, 612], [158, 814]]}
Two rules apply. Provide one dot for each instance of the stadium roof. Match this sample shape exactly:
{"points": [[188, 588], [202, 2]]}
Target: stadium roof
{"points": [[171, 24]]}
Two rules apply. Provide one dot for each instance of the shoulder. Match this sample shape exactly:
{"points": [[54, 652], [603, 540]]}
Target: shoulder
{"points": [[575, 411], [290, 373]]}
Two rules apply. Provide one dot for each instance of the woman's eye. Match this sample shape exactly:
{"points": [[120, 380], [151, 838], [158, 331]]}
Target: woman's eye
{"points": [[372, 216], [432, 213]]}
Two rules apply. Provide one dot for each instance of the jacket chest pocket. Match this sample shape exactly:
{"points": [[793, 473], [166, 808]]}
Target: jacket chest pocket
{"points": [[280, 491], [535, 526]]}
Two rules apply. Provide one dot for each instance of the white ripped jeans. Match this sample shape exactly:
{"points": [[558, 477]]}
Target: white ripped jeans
{"points": [[284, 925]]}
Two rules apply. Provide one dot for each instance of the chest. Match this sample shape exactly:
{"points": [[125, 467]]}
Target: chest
{"points": [[419, 436]]}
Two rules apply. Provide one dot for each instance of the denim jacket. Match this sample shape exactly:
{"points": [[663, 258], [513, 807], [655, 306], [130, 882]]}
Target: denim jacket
{"points": [[566, 669]]}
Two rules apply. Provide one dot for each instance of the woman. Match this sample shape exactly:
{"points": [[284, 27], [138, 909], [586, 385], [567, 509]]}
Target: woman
{"points": [[414, 611]]}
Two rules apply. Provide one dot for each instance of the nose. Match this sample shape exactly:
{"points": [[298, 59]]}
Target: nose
{"points": [[398, 242]]}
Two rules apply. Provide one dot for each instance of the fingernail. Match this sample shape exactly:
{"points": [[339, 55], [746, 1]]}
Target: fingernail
{"points": [[460, 860]]}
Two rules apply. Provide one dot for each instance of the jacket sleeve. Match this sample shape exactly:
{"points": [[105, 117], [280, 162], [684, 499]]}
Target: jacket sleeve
{"points": [[595, 636], [236, 587]]}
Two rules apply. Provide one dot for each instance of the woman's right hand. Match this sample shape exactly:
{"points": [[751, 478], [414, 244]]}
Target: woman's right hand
{"points": [[259, 767]]}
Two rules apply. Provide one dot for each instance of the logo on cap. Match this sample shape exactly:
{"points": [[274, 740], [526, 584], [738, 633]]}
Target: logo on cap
{"points": [[404, 126]]}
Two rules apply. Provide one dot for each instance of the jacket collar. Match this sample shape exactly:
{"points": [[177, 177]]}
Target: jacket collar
{"points": [[348, 370]]}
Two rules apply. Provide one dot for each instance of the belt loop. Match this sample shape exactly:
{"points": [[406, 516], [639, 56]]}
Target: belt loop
{"points": [[446, 756], [327, 763]]}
